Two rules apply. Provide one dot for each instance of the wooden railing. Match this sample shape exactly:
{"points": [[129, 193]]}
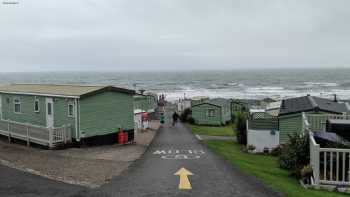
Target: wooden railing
{"points": [[334, 166], [50, 137], [330, 165]]}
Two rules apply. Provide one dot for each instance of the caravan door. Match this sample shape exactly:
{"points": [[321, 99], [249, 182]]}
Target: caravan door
{"points": [[49, 113]]}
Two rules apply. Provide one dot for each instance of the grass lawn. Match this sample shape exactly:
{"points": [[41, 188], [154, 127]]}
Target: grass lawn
{"points": [[212, 130], [266, 169]]}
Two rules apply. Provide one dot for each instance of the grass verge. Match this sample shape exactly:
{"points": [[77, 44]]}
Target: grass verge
{"points": [[212, 130], [266, 169]]}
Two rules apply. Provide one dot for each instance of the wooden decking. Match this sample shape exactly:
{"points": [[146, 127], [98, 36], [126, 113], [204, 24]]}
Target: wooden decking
{"points": [[50, 137], [330, 166]]}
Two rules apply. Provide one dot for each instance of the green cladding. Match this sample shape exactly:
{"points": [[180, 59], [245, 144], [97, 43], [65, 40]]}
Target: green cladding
{"points": [[27, 113], [208, 113], [98, 112], [105, 113]]}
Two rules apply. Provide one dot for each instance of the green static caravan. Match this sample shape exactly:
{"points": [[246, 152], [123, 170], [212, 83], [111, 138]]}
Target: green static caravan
{"points": [[198, 99], [214, 112], [145, 102], [90, 111], [290, 115], [243, 105]]}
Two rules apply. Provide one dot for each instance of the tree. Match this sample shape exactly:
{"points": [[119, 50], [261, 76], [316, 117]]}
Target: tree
{"points": [[241, 127], [186, 115]]}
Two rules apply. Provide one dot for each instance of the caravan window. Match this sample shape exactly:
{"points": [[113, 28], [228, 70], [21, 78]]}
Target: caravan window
{"points": [[70, 110], [49, 109], [36, 105], [211, 112], [17, 105]]}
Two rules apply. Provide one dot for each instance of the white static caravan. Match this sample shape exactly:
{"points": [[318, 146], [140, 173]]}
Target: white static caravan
{"points": [[183, 104], [262, 131]]}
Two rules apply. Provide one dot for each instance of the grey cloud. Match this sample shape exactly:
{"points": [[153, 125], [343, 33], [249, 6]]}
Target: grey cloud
{"points": [[181, 34]]}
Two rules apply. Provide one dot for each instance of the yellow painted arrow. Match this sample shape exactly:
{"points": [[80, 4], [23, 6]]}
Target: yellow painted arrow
{"points": [[184, 182]]}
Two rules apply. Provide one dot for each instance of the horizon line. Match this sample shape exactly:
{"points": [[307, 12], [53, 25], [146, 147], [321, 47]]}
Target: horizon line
{"points": [[172, 70]]}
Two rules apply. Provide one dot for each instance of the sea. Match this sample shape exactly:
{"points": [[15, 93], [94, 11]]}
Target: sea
{"points": [[249, 84]]}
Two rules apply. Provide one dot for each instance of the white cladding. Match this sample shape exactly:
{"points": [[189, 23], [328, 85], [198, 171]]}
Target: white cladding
{"points": [[263, 139]]}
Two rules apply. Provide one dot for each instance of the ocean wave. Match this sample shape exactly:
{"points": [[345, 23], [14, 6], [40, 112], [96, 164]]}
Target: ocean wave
{"points": [[265, 89], [234, 84], [323, 84], [217, 86], [274, 92], [346, 84]]}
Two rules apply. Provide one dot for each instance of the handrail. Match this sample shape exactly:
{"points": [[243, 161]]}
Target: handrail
{"points": [[26, 124], [333, 159], [36, 134]]}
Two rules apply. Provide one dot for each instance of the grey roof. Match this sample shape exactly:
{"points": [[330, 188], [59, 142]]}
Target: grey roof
{"points": [[218, 101], [269, 100], [311, 103], [59, 90], [251, 102]]}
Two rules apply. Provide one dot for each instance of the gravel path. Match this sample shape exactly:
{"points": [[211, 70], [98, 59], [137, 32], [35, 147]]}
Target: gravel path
{"points": [[87, 166]]}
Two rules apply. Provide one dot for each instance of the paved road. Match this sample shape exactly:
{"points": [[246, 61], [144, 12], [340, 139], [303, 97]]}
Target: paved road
{"points": [[154, 176], [17, 183]]}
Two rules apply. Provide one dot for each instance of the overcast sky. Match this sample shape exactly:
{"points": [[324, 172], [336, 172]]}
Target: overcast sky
{"points": [[173, 34]]}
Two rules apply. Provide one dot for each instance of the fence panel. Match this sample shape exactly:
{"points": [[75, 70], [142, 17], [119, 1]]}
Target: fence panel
{"points": [[330, 165], [36, 134]]}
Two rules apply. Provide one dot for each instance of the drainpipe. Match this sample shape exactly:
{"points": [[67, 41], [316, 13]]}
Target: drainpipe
{"points": [[77, 137], [78, 115]]}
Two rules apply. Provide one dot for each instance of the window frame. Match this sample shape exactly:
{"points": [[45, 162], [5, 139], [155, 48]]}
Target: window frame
{"points": [[210, 115], [47, 109], [68, 111], [17, 101], [35, 102]]}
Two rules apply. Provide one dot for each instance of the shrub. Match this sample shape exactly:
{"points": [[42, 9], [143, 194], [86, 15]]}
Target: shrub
{"points": [[295, 154], [266, 150], [306, 171], [244, 149], [233, 118], [241, 128], [190, 120], [276, 151], [185, 115], [306, 174], [251, 148]]}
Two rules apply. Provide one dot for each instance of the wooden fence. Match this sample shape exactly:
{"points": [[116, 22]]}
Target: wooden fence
{"points": [[50, 137], [330, 165]]}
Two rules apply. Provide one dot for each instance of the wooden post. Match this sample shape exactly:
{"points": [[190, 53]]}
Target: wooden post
{"points": [[303, 122], [69, 127], [50, 137], [28, 136], [8, 129], [316, 164], [65, 134]]}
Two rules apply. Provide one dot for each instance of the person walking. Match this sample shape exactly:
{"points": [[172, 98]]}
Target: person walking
{"points": [[175, 118]]}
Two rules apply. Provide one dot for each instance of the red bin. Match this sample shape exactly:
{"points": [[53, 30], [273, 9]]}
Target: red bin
{"points": [[126, 137], [121, 137]]}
